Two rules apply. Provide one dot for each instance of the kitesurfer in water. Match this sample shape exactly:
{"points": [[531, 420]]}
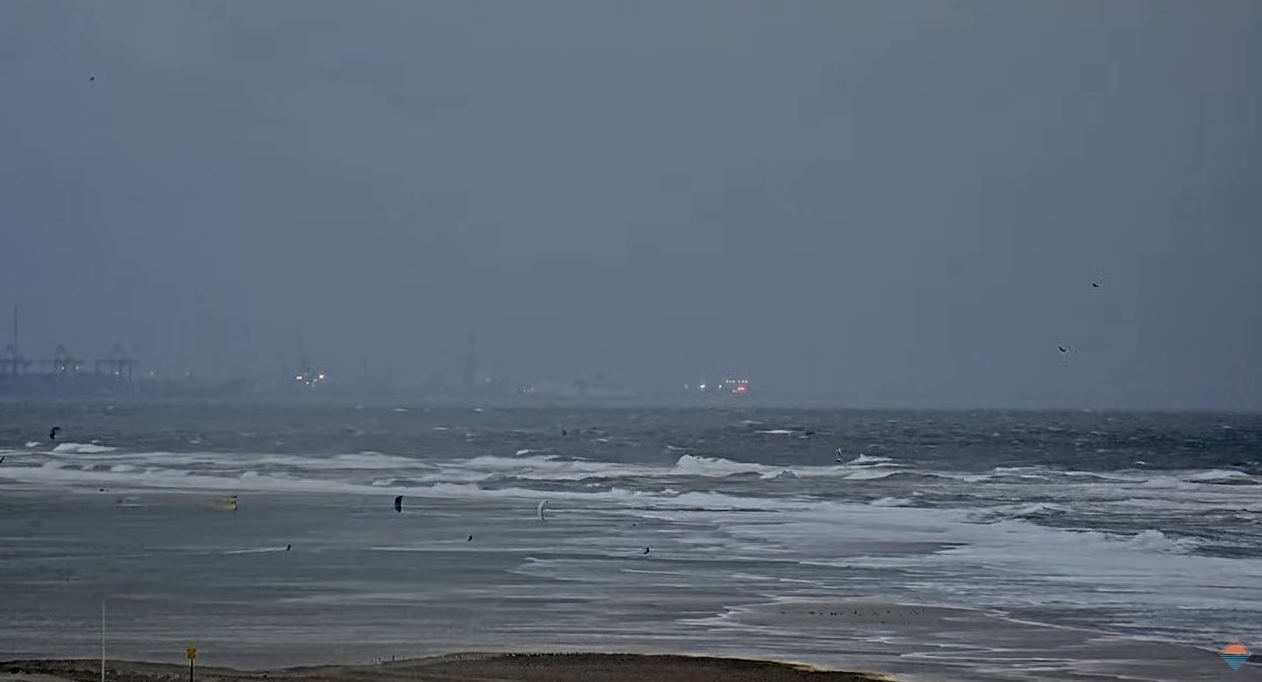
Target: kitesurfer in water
{"points": [[398, 503], [52, 435]]}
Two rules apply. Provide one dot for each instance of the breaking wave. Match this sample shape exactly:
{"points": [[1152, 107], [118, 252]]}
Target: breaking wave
{"points": [[81, 448]]}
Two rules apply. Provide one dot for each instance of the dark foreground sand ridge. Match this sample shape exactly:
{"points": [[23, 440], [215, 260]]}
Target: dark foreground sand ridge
{"points": [[454, 668]]}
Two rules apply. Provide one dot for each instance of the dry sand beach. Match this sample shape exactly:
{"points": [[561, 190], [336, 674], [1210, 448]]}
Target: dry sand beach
{"points": [[838, 641], [456, 668]]}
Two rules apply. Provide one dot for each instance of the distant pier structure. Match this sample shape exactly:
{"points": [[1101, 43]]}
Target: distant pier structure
{"points": [[63, 363], [11, 361], [62, 366], [117, 364]]}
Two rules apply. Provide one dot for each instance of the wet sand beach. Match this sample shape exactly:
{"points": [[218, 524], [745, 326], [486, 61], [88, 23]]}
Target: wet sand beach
{"points": [[938, 560]]}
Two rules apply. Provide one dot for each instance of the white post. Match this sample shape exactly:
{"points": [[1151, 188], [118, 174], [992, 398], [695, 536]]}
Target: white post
{"points": [[102, 639]]}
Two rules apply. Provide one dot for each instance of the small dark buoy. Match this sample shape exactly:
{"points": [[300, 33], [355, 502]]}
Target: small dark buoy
{"points": [[91, 78], [564, 433]]}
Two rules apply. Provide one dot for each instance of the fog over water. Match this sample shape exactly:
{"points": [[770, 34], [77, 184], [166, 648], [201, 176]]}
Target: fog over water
{"points": [[900, 203]]}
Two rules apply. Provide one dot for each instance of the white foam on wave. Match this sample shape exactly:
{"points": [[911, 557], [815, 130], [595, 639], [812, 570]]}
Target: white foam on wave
{"points": [[542, 467], [1043, 473], [718, 467], [778, 432], [554, 468], [1157, 541], [869, 474], [81, 448], [525, 464], [1223, 476], [367, 460], [869, 460], [33, 444], [1008, 563], [58, 473], [696, 465], [1033, 473], [1017, 511]]}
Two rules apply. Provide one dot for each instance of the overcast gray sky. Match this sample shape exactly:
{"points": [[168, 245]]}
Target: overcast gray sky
{"points": [[899, 201]]}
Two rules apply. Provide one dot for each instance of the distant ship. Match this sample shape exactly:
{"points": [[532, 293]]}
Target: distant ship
{"points": [[731, 387]]}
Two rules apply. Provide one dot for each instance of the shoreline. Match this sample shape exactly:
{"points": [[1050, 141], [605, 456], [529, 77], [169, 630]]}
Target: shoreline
{"points": [[460, 667]]}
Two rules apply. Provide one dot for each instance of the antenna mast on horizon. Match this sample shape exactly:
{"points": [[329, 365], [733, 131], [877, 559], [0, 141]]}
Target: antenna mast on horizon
{"points": [[102, 639]]}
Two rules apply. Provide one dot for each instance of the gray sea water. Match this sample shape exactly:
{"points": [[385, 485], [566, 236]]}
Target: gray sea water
{"points": [[1134, 525]]}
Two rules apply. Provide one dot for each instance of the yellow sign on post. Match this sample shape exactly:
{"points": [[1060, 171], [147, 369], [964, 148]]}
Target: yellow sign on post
{"points": [[192, 653]]}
